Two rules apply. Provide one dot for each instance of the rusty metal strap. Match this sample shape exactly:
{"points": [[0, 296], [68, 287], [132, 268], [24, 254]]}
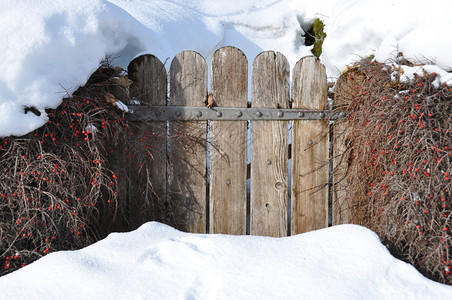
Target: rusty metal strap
{"points": [[187, 113]]}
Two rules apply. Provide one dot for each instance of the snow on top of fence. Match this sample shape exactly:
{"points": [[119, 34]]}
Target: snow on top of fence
{"points": [[50, 49]]}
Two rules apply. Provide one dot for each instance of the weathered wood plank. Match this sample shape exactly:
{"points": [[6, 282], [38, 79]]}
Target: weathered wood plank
{"points": [[187, 156], [341, 210], [146, 191], [149, 80], [228, 138], [269, 147], [309, 149]]}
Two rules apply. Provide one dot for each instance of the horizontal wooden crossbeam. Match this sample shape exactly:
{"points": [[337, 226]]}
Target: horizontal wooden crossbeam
{"points": [[186, 113]]}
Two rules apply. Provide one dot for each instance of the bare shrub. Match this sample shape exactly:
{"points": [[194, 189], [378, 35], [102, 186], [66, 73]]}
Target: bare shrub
{"points": [[400, 162], [55, 183], [59, 187]]}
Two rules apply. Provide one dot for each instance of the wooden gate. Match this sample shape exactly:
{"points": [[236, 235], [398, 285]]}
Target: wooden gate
{"points": [[231, 189]]}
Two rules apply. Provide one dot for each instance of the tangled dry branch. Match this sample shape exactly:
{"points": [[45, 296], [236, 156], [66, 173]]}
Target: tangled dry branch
{"points": [[400, 162]]}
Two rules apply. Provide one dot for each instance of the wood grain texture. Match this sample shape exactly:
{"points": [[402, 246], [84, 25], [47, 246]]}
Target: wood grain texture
{"points": [[187, 156], [341, 206], [146, 191], [186, 161], [149, 80], [269, 147], [340, 209], [228, 138], [309, 149]]}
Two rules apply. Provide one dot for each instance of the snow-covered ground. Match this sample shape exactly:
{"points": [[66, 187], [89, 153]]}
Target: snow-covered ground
{"points": [[50, 48], [159, 262]]}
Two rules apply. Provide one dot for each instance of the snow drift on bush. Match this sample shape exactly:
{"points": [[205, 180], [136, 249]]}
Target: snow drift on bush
{"points": [[50, 49]]}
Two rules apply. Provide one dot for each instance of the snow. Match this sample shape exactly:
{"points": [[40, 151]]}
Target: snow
{"points": [[442, 77], [158, 262], [50, 49], [360, 28]]}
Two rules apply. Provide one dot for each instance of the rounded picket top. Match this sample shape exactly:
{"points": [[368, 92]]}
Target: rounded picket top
{"points": [[309, 84], [223, 52], [270, 80], [188, 79], [230, 77], [268, 54], [149, 78]]}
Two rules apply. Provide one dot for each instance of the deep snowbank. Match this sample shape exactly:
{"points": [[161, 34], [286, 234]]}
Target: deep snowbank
{"points": [[159, 262]]}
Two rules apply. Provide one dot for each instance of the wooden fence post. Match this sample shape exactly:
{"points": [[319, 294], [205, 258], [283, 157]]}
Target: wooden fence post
{"points": [[146, 190], [228, 151], [187, 155], [309, 149], [269, 147], [344, 93]]}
